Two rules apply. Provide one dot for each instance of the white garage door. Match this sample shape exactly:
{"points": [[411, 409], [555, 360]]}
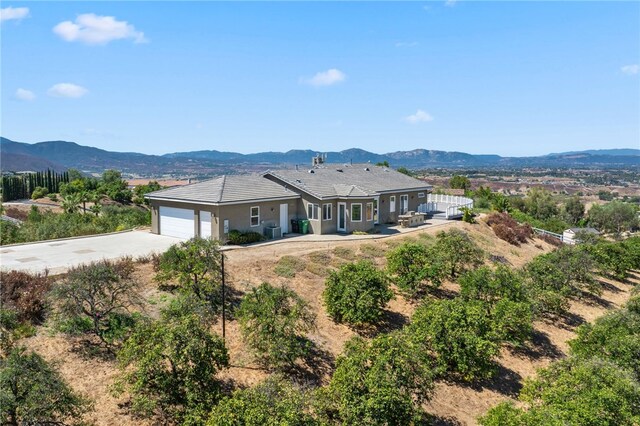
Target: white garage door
{"points": [[176, 222], [205, 224]]}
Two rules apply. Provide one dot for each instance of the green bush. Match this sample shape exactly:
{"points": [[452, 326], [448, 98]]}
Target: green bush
{"points": [[356, 294], [461, 334], [32, 392], [615, 336], [273, 322], [39, 192], [382, 382], [414, 268], [170, 367], [457, 252], [274, 401], [574, 392], [236, 237]]}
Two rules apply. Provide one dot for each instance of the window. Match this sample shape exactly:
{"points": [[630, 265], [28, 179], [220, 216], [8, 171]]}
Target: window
{"points": [[420, 194], [369, 211], [255, 216], [392, 204], [356, 212], [327, 212], [312, 211]]}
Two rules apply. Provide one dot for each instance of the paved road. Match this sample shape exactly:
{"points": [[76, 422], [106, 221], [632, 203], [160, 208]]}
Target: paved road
{"points": [[58, 256]]}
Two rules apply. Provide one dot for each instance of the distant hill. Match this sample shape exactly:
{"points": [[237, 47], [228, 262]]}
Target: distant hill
{"points": [[17, 156], [616, 152]]}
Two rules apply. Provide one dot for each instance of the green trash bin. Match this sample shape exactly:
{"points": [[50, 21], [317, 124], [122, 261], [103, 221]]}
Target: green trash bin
{"points": [[304, 226]]}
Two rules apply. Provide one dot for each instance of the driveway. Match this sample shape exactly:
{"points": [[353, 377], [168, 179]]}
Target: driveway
{"points": [[59, 255]]}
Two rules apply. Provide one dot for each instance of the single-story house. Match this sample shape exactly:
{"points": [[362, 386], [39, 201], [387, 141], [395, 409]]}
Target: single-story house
{"points": [[335, 198], [569, 236]]}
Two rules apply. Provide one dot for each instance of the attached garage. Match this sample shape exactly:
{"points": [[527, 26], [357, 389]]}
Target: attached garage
{"points": [[175, 222]]}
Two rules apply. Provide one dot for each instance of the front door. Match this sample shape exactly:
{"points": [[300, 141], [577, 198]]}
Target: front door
{"points": [[342, 217], [404, 204], [284, 218], [376, 215]]}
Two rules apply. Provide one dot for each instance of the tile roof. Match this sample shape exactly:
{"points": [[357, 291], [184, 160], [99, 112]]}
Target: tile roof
{"points": [[349, 180], [226, 189]]}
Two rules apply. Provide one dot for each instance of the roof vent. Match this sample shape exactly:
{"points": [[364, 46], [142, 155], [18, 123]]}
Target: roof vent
{"points": [[366, 169], [311, 171], [339, 170]]}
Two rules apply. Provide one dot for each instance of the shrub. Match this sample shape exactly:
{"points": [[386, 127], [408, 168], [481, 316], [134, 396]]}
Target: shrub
{"points": [[273, 322], [612, 259], [196, 266], [288, 266], [97, 299], [238, 238], [39, 192], [275, 401], [25, 293], [414, 268], [322, 257], [32, 392], [615, 336], [344, 253], [574, 392], [457, 252], [460, 334], [382, 382], [356, 294], [170, 367], [507, 229]]}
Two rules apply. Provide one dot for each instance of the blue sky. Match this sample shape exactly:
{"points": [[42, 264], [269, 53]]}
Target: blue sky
{"points": [[512, 78]]}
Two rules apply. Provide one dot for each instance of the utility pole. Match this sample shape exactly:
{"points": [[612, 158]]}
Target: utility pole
{"points": [[224, 302]]}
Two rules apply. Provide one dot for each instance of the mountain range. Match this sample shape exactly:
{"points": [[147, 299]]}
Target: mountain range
{"points": [[60, 155]]}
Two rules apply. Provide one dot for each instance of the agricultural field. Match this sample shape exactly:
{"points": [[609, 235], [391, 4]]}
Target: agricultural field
{"points": [[300, 273]]}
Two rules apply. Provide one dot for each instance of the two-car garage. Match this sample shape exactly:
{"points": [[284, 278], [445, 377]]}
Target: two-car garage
{"points": [[175, 222]]}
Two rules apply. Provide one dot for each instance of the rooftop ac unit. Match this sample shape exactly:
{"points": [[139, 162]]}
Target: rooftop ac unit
{"points": [[273, 232]]}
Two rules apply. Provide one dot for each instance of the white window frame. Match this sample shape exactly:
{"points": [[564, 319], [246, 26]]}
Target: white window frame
{"points": [[369, 209], [252, 216], [312, 211], [420, 194], [329, 210], [352, 219], [392, 204]]}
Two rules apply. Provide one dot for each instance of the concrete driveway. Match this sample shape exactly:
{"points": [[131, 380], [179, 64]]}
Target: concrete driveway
{"points": [[59, 255]]}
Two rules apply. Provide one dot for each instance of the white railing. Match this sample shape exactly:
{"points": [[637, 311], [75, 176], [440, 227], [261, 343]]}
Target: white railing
{"points": [[540, 231], [455, 204]]}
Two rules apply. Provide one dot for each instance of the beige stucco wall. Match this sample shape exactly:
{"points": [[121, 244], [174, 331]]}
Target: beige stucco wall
{"points": [[239, 215]]}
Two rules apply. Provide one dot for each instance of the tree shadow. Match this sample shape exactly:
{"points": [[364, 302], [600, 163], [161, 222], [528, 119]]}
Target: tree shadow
{"points": [[90, 349], [505, 381], [318, 364], [567, 321], [540, 346], [390, 321], [593, 299], [443, 293], [435, 420], [609, 287]]}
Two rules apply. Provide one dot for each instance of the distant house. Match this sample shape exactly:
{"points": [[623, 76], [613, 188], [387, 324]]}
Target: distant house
{"points": [[569, 236], [335, 198]]}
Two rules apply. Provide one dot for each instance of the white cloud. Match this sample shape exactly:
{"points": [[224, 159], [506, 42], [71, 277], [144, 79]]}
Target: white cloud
{"points": [[407, 44], [325, 78], [450, 3], [67, 90], [630, 69], [419, 117], [25, 95], [13, 13], [93, 29]]}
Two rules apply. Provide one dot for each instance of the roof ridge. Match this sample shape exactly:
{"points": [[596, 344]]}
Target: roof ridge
{"points": [[224, 181]]}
